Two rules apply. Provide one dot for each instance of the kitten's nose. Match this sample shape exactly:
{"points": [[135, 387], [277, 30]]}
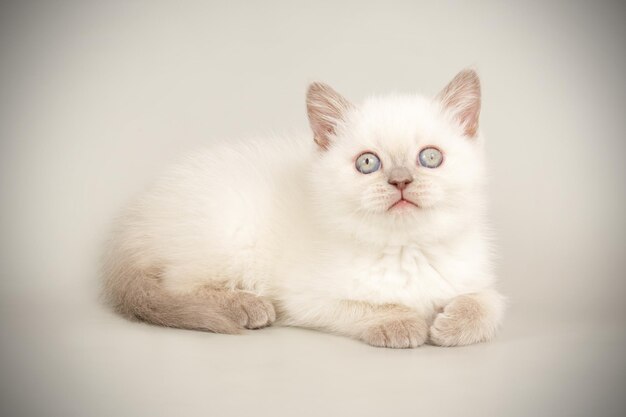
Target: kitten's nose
{"points": [[400, 177]]}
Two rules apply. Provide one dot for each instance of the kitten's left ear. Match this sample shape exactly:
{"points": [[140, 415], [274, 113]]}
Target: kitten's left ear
{"points": [[461, 99], [325, 108]]}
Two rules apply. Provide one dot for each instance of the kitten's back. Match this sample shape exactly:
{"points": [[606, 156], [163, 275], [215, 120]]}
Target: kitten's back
{"points": [[213, 218]]}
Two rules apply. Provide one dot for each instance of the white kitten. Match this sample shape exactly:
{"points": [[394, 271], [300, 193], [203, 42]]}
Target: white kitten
{"points": [[374, 230]]}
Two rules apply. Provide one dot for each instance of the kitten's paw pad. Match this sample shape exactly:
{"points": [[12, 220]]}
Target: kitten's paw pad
{"points": [[406, 332], [464, 321], [252, 312]]}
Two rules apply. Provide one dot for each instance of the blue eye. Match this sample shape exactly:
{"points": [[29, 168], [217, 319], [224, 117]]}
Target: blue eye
{"points": [[430, 157], [367, 163]]}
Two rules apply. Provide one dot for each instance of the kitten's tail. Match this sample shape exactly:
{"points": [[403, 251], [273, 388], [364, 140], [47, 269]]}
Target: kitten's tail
{"points": [[139, 295]]}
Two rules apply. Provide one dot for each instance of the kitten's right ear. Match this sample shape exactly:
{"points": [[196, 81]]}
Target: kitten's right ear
{"points": [[325, 108]]}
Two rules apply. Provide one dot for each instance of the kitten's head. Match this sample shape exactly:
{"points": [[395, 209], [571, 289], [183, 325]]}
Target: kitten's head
{"points": [[398, 168]]}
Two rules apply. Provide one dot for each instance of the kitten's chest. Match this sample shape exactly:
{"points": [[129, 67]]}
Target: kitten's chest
{"points": [[399, 274]]}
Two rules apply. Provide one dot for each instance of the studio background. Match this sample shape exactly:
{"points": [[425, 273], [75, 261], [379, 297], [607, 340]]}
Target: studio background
{"points": [[97, 98]]}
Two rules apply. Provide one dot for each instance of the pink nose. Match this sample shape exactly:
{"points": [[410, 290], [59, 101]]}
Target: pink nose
{"points": [[400, 184], [400, 178]]}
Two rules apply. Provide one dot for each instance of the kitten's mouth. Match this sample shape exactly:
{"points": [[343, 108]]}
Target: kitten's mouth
{"points": [[402, 203]]}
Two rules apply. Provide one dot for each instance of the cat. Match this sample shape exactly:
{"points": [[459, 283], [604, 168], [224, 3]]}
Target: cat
{"points": [[375, 229]]}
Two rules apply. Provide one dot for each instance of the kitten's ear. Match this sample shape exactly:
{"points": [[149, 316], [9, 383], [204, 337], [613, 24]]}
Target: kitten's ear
{"points": [[461, 99], [325, 108]]}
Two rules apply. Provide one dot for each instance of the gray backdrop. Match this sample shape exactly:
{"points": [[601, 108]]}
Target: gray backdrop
{"points": [[97, 97]]}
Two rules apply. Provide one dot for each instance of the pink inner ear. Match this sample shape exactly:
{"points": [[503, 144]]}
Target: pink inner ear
{"points": [[325, 108], [461, 98], [322, 141], [469, 118]]}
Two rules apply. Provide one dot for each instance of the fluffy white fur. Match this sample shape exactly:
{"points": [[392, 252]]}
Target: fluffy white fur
{"points": [[294, 221]]}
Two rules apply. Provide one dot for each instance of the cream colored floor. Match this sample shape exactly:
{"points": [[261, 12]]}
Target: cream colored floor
{"points": [[70, 359]]}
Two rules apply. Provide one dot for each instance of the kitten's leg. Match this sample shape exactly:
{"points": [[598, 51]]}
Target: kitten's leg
{"points": [[139, 294], [468, 319], [392, 326], [382, 325], [247, 310]]}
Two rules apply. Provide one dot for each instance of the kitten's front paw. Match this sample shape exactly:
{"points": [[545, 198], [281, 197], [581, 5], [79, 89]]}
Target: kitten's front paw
{"points": [[250, 311], [464, 321], [400, 332]]}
